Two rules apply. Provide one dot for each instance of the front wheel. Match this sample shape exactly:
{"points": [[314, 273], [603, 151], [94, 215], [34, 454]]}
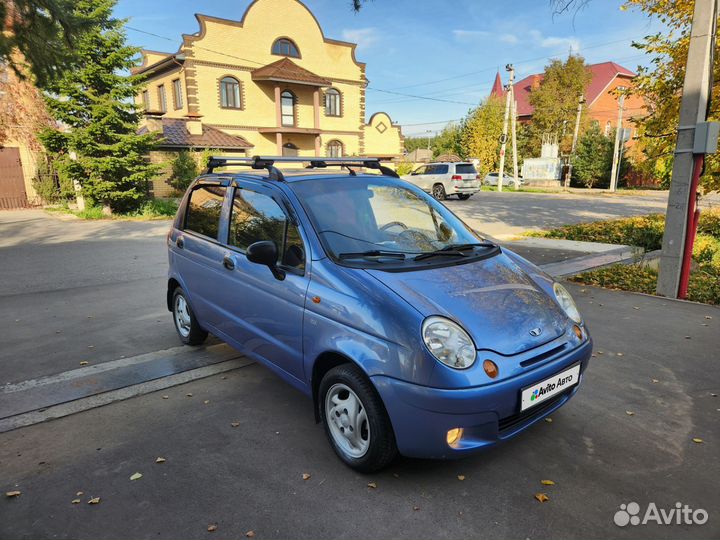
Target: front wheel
{"points": [[463, 196], [186, 324], [438, 191], [355, 420]]}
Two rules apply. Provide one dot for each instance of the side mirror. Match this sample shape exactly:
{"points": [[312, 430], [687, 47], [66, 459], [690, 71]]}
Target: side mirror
{"points": [[265, 252]]}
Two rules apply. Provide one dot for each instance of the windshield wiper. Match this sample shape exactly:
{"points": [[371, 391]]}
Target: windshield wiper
{"points": [[375, 253], [453, 250]]}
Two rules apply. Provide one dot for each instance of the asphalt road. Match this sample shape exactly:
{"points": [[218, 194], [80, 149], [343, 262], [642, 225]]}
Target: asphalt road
{"points": [[249, 477]]}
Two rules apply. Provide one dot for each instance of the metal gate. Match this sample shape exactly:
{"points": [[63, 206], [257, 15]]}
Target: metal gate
{"points": [[12, 182]]}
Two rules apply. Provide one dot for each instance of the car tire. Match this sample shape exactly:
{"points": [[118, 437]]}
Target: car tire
{"points": [[368, 446], [463, 196], [438, 192], [186, 324]]}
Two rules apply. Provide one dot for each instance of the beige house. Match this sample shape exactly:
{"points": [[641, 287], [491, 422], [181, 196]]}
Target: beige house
{"points": [[272, 81]]}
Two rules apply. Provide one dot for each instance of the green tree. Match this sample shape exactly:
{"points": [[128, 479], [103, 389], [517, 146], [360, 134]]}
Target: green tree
{"points": [[661, 84], [592, 161], [555, 101], [38, 36], [95, 101], [480, 134], [447, 141], [184, 170]]}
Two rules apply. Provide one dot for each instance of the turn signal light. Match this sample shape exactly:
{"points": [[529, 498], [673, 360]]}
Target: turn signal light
{"points": [[578, 332], [454, 435], [491, 369]]}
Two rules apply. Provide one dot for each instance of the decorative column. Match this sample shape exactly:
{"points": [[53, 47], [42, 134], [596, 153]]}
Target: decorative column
{"points": [[317, 145], [316, 108], [279, 143], [278, 105]]}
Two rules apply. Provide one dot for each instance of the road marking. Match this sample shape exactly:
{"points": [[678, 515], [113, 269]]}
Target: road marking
{"points": [[91, 402]]}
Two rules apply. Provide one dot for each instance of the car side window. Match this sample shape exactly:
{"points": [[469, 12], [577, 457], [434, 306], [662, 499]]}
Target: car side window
{"points": [[255, 217], [203, 210], [421, 170], [441, 169]]}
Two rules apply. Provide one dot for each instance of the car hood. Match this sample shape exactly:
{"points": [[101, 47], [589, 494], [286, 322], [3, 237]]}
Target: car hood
{"points": [[493, 299]]}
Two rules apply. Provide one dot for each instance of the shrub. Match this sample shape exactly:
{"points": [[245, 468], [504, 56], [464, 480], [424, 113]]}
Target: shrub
{"points": [[184, 171], [46, 182], [710, 223], [404, 167], [156, 208], [705, 248]]}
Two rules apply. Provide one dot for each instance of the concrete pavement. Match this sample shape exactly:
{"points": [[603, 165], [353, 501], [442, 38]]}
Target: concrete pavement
{"points": [[654, 358]]}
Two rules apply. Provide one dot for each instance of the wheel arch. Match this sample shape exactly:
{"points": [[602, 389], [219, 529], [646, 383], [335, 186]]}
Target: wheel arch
{"points": [[324, 363], [172, 285]]}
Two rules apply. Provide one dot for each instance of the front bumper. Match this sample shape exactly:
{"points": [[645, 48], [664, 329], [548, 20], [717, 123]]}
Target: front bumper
{"points": [[421, 416]]}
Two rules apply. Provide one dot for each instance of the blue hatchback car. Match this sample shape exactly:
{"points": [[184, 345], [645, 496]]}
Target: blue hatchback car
{"points": [[411, 333]]}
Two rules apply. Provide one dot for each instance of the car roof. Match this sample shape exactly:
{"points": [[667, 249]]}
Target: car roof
{"points": [[450, 163], [292, 176]]}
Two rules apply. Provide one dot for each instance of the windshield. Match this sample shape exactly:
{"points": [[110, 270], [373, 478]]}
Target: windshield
{"points": [[362, 214]]}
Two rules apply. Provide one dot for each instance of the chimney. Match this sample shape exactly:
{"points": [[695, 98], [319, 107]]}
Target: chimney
{"points": [[153, 122], [194, 124]]}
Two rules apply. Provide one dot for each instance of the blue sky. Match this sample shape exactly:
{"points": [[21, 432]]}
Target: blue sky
{"points": [[410, 46]]}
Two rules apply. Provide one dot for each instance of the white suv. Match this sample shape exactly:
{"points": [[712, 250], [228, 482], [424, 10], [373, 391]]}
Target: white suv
{"points": [[443, 179]]}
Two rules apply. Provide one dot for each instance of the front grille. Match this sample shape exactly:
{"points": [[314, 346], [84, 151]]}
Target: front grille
{"points": [[543, 356], [510, 422]]}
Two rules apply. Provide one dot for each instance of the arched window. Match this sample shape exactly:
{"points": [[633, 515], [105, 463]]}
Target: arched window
{"points": [[332, 102], [335, 149], [230, 93], [285, 47], [287, 108]]}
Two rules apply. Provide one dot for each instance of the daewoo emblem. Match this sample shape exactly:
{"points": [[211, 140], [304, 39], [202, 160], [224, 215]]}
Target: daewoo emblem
{"points": [[536, 332]]}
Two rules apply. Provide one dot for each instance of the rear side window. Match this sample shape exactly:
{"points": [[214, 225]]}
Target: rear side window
{"points": [[255, 217], [203, 210], [465, 168], [437, 169]]}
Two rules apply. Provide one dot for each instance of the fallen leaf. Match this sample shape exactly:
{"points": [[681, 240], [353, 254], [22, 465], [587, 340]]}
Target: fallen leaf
{"points": [[600, 352], [189, 394], [372, 485], [396, 475], [250, 534], [166, 397], [212, 528], [12, 494], [687, 337], [234, 424], [619, 354], [75, 501], [542, 497], [94, 500], [708, 317], [548, 420], [630, 413], [136, 476], [461, 477], [697, 440], [160, 460], [223, 377], [655, 381], [416, 508], [713, 395], [636, 307], [547, 482], [79, 494], [91, 346], [206, 401], [84, 363], [305, 476]]}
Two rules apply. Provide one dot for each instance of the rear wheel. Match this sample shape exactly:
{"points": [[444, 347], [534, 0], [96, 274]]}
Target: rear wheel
{"points": [[438, 191], [186, 324], [355, 419], [463, 196]]}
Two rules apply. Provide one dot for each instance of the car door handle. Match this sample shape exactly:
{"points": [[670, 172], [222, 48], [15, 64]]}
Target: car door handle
{"points": [[228, 262], [179, 242]]}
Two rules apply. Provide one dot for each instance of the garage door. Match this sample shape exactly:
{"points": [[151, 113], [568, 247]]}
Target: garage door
{"points": [[12, 184]]}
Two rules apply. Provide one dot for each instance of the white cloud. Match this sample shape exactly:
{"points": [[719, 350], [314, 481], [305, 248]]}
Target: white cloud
{"points": [[469, 35], [364, 37], [555, 42], [509, 38]]}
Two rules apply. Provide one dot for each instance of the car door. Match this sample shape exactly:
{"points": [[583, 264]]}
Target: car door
{"points": [[420, 179], [197, 255], [261, 313]]}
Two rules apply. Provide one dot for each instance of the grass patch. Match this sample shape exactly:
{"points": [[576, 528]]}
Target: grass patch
{"points": [[150, 210]]}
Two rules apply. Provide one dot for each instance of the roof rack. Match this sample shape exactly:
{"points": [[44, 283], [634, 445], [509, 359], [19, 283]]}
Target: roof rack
{"points": [[268, 163]]}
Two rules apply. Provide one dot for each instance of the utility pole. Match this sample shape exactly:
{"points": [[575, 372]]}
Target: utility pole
{"points": [[568, 174], [516, 180], [618, 136], [503, 138], [428, 131], [683, 186]]}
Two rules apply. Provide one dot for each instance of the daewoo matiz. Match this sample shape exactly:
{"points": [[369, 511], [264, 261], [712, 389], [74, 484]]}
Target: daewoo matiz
{"points": [[411, 333]]}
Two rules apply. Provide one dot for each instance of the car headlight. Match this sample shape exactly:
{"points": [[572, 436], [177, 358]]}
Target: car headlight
{"points": [[567, 303], [448, 342]]}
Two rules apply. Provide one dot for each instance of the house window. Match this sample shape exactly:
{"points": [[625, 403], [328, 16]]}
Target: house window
{"points": [[230, 93], [335, 149], [146, 100], [285, 47], [162, 99], [177, 94], [332, 102], [287, 108]]}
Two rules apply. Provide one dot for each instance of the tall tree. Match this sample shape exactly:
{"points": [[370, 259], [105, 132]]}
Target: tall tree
{"points": [[447, 141], [96, 102], [555, 100], [480, 133], [592, 161], [661, 87], [38, 36]]}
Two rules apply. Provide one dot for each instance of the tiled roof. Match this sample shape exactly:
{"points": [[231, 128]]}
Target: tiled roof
{"points": [[497, 87], [287, 70], [176, 135], [602, 75]]}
